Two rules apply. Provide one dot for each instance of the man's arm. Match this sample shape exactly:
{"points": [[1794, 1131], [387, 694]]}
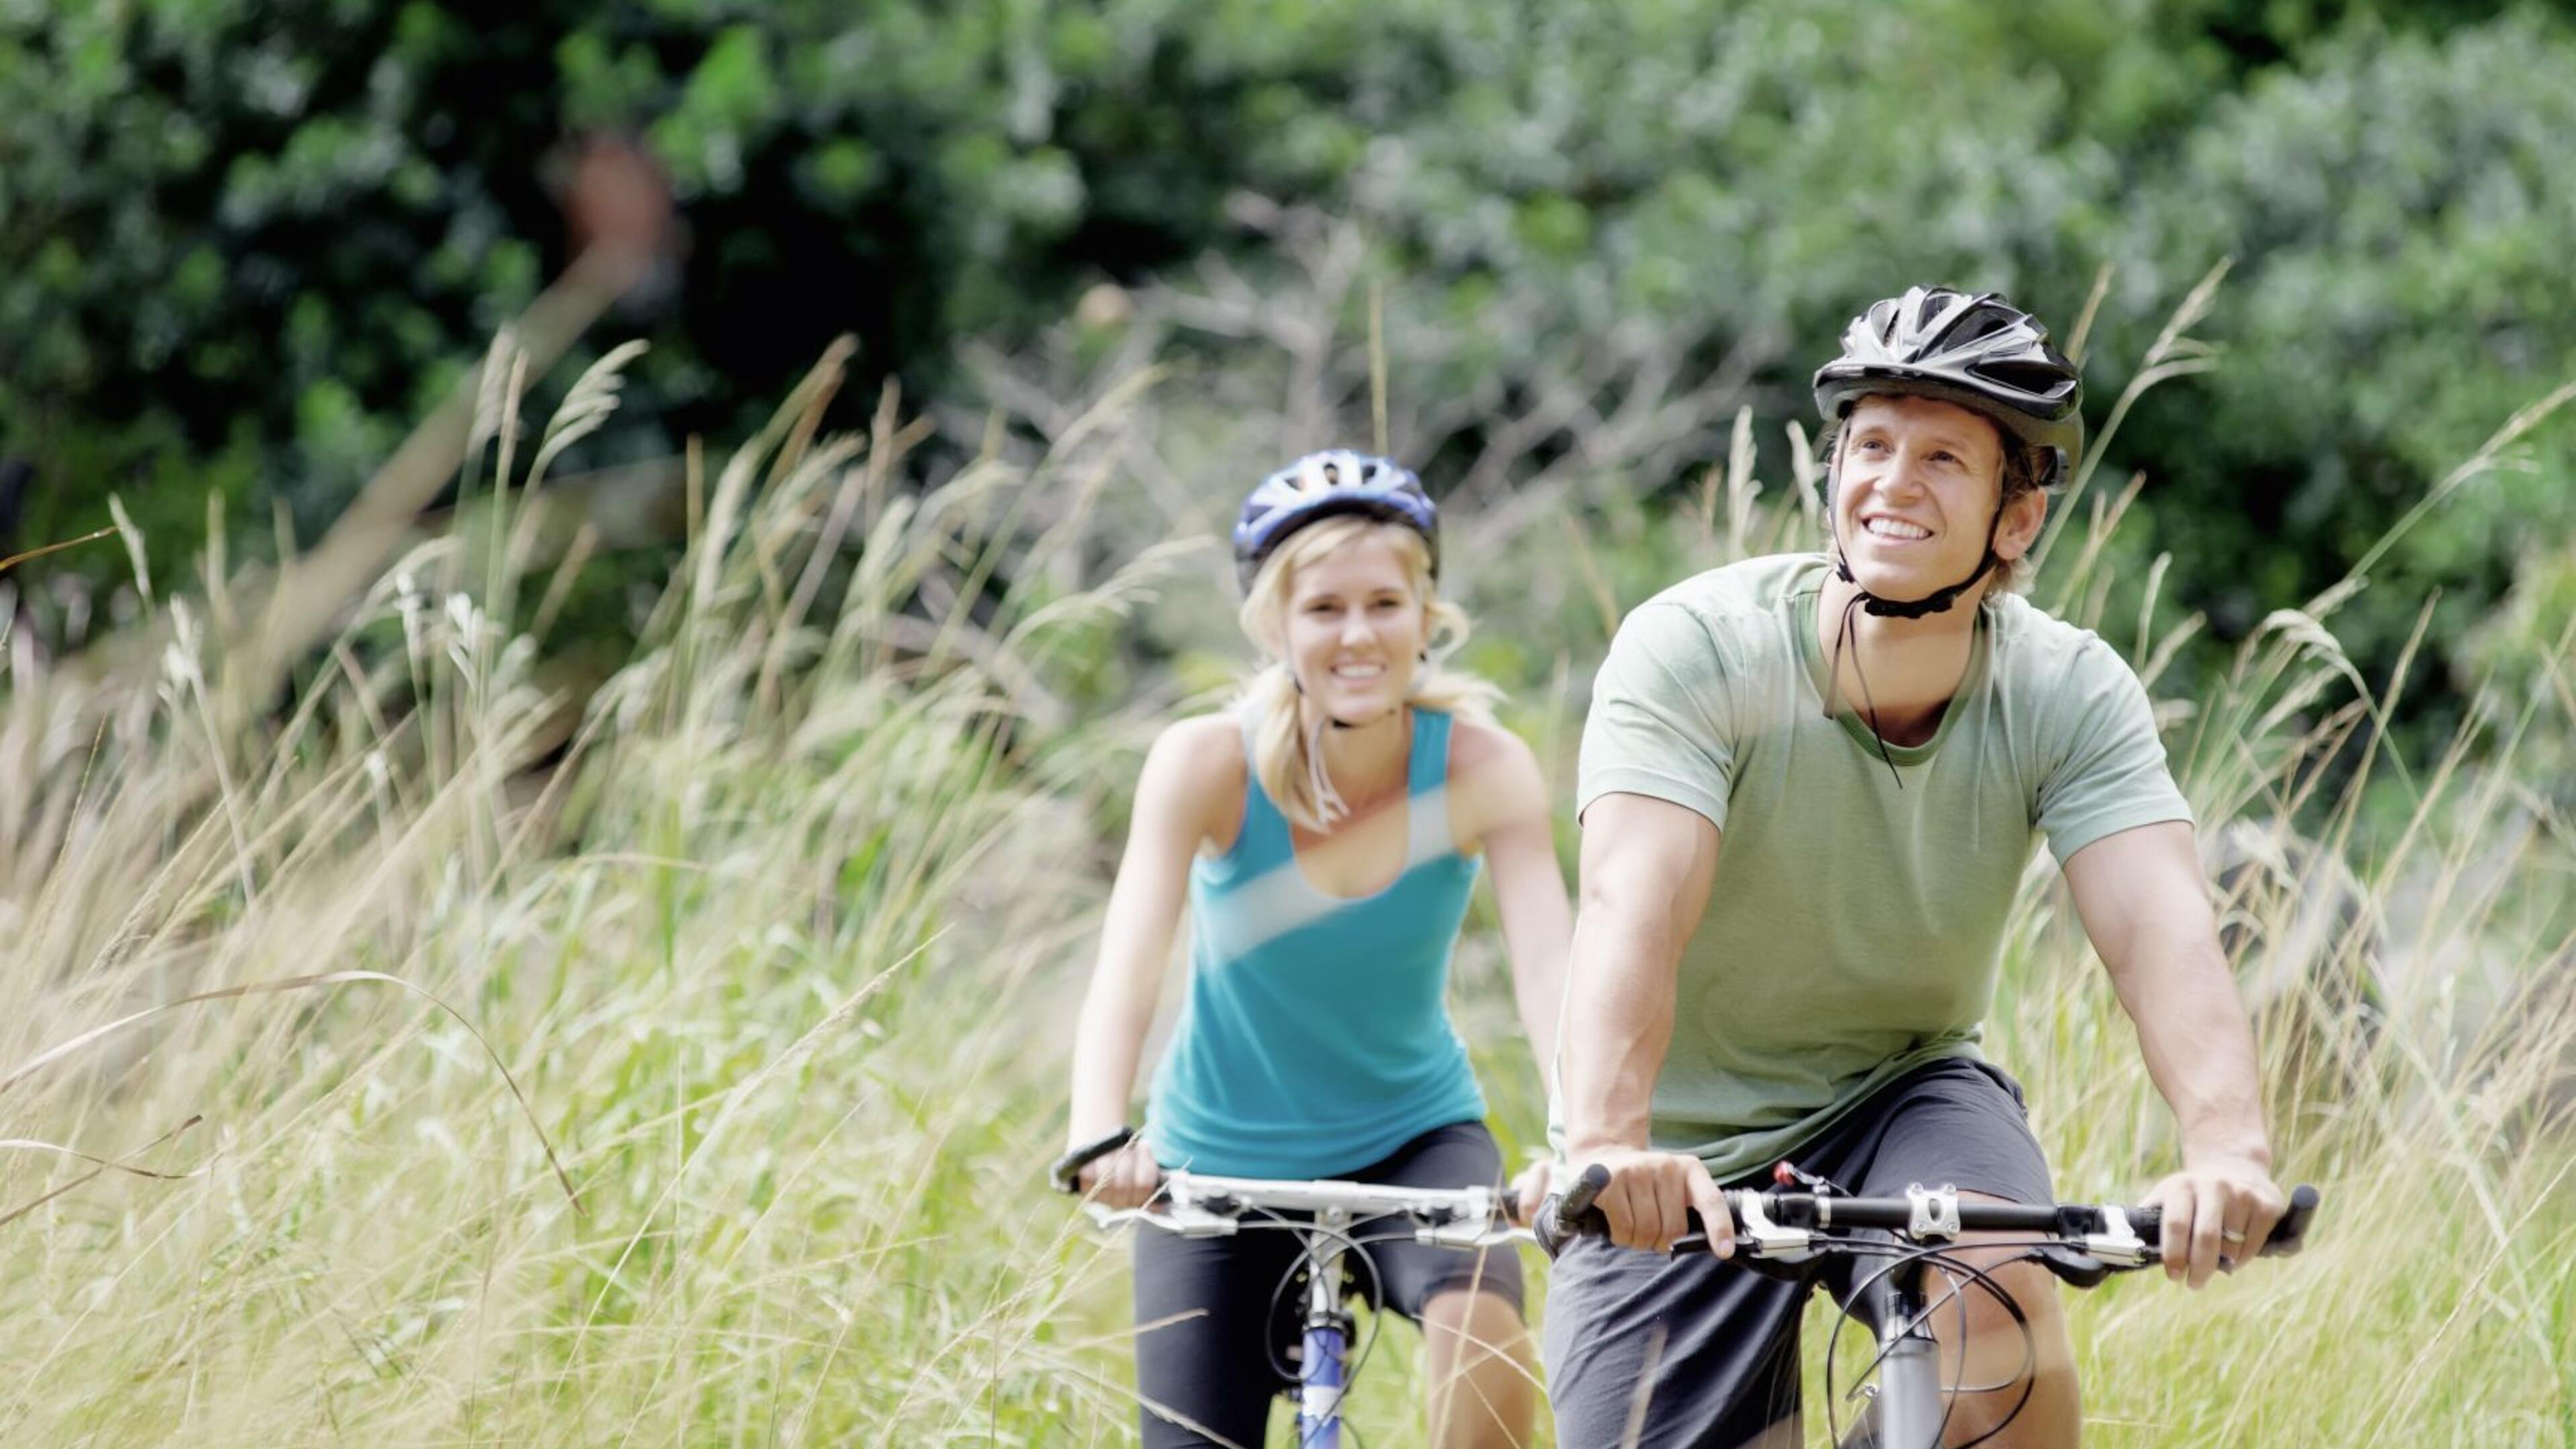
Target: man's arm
{"points": [[1646, 869], [2146, 907]]}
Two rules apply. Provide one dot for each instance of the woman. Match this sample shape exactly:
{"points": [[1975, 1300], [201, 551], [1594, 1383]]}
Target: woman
{"points": [[1325, 834]]}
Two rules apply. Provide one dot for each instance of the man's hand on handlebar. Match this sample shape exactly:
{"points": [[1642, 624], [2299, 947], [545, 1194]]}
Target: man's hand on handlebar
{"points": [[1651, 1195], [2212, 1209]]}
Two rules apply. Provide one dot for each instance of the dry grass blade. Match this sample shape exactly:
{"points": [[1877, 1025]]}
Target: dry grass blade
{"points": [[1743, 490], [104, 1165], [1596, 586], [123, 1164], [2490, 456], [15, 559], [301, 983], [1805, 474], [2082, 334], [587, 407], [2173, 354]]}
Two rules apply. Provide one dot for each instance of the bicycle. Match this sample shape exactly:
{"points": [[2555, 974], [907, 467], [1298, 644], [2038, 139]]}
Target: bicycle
{"points": [[1202, 1206], [1780, 1231]]}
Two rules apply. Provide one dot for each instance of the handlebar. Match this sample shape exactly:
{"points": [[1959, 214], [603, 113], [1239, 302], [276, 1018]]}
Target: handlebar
{"points": [[1197, 1205], [1789, 1227]]}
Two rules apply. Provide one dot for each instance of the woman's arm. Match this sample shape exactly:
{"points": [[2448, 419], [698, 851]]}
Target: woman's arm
{"points": [[1501, 777], [1180, 795]]}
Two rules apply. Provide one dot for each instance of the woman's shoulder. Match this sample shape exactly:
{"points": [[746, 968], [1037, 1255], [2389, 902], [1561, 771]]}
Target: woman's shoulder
{"points": [[1495, 771], [1202, 743], [1193, 778], [1482, 742]]}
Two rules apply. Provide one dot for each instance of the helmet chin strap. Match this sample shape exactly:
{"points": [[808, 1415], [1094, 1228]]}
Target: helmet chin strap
{"points": [[1320, 778], [1936, 602]]}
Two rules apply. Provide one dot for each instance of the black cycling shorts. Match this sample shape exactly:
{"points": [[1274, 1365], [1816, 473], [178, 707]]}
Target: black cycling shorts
{"points": [[1216, 1317], [1723, 1339]]}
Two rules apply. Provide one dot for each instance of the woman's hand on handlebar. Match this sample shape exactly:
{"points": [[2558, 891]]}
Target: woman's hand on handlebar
{"points": [[1125, 1178], [1521, 1199], [1651, 1195]]}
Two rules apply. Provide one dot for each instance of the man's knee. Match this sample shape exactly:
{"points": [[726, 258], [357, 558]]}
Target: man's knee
{"points": [[2017, 1375]]}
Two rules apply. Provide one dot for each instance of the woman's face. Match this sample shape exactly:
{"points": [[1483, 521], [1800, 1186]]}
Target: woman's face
{"points": [[1356, 629]]}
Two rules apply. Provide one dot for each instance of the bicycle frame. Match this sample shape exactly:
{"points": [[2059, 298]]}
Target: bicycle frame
{"points": [[1323, 1365]]}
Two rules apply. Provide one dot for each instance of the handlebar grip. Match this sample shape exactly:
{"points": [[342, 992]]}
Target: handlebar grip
{"points": [[1570, 1214], [1065, 1173], [1587, 1190], [2288, 1235]]}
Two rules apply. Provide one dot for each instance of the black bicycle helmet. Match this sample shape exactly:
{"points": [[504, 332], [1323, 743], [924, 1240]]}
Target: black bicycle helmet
{"points": [[1317, 487], [1980, 352]]}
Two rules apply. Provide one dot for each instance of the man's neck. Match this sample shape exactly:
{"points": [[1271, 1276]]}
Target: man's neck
{"points": [[1912, 667]]}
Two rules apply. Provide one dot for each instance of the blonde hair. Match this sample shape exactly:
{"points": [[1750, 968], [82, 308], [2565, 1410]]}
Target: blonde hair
{"points": [[1285, 754]]}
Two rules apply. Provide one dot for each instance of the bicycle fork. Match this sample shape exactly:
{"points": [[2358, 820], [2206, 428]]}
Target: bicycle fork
{"points": [[1321, 1371]]}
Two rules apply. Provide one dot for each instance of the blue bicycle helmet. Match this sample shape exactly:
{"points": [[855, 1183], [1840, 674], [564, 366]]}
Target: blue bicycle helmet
{"points": [[1320, 485]]}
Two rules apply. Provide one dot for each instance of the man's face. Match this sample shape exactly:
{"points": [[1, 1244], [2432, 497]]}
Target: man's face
{"points": [[1915, 488]]}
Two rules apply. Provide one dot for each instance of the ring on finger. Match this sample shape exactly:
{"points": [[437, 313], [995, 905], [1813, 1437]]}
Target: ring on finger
{"points": [[2231, 1235]]}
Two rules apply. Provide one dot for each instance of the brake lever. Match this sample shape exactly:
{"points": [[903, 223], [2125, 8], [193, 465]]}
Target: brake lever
{"points": [[2118, 1244], [1756, 1236], [1182, 1219]]}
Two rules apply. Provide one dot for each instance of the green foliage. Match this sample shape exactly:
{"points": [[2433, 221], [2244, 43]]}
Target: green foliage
{"points": [[242, 246]]}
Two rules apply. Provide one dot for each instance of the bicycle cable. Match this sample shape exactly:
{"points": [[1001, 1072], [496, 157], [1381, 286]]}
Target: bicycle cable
{"points": [[1310, 1261], [1375, 1296], [1951, 1269]]}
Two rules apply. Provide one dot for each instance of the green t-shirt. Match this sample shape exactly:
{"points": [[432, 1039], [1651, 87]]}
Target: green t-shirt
{"points": [[1854, 927]]}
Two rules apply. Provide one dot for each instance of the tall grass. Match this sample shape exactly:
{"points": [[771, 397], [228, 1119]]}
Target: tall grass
{"points": [[759, 951], [779, 941]]}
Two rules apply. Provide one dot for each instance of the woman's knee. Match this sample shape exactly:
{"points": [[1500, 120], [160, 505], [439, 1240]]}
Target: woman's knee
{"points": [[1472, 1324]]}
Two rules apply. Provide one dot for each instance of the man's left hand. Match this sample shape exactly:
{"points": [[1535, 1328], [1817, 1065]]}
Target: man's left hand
{"points": [[2218, 1211]]}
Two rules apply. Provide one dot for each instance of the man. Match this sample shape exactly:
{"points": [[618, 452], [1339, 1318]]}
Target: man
{"points": [[1877, 736]]}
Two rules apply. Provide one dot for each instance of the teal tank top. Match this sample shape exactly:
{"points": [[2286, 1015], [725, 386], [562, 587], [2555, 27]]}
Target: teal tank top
{"points": [[1316, 1039]]}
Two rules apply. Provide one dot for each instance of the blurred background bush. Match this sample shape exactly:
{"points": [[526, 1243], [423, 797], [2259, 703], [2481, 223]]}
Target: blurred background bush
{"points": [[243, 247]]}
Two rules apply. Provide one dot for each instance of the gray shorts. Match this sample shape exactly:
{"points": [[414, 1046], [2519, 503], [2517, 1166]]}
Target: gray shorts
{"points": [[1723, 1340]]}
